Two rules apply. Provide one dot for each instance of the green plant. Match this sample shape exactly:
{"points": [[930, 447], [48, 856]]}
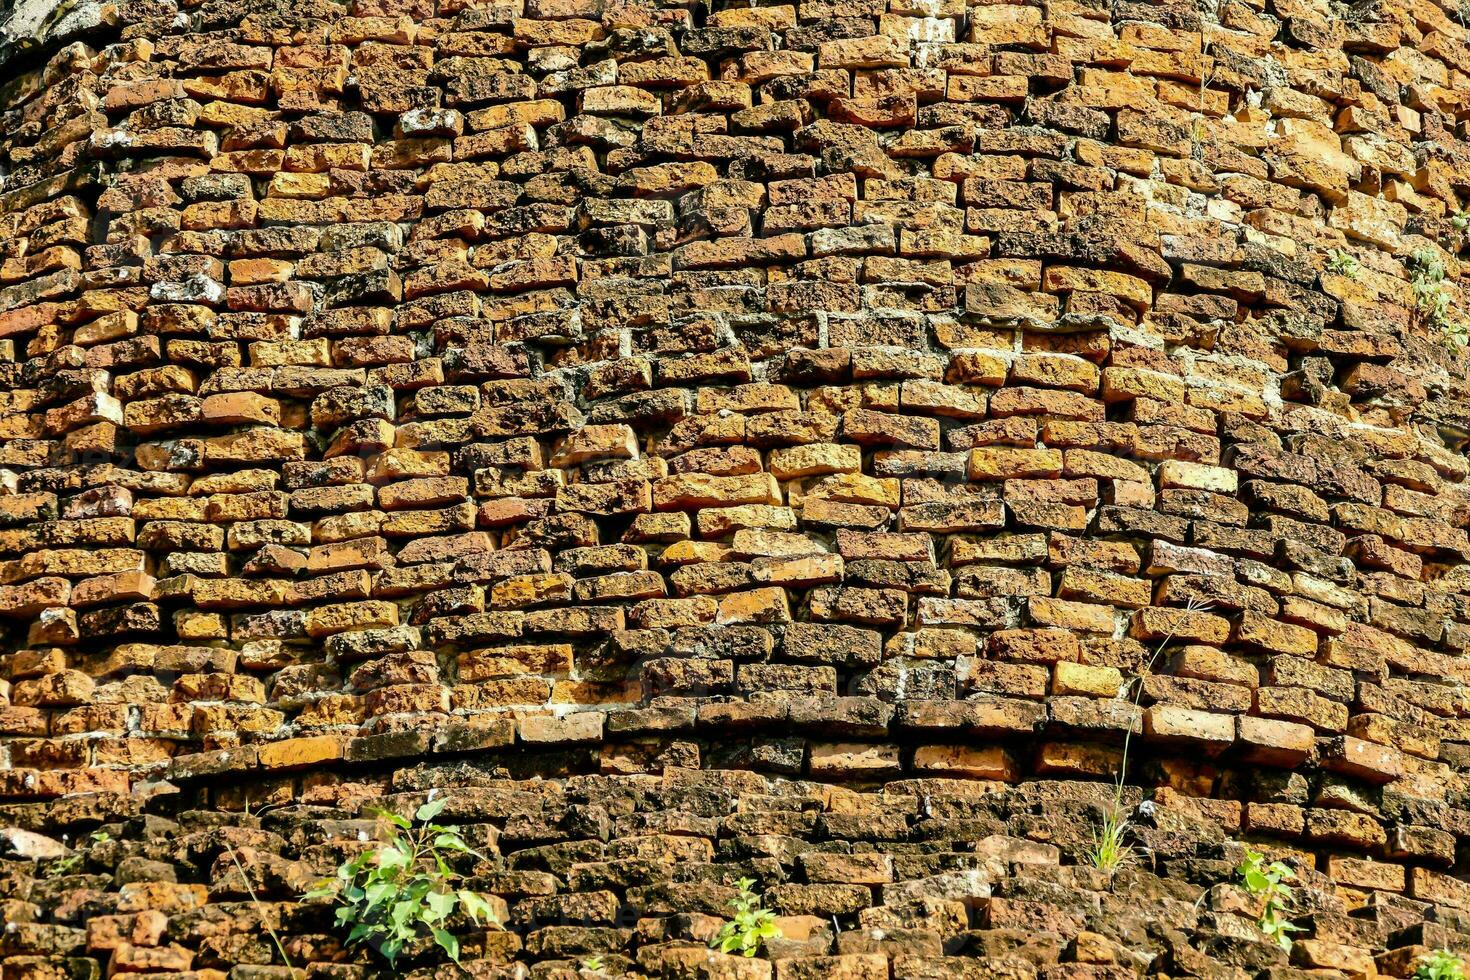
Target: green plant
{"points": [[63, 866], [1110, 851], [1426, 270], [1460, 220], [406, 889], [752, 926], [593, 964], [1342, 264], [1431, 298], [72, 862], [1440, 965], [1267, 881]]}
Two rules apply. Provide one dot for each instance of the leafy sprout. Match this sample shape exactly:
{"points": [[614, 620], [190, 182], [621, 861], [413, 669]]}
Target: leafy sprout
{"points": [[1267, 882], [751, 926], [1341, 263], [1432, 299], [406, 889], [1440, 965], [72, 863]]}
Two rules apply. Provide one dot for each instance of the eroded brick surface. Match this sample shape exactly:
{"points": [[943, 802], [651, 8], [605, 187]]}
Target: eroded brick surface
{"points": [[800, 441]]}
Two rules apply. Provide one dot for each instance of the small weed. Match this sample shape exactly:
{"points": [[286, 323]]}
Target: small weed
{"points": [[64, 866], [265, 916], [1431, 298], [1109, 851], [752, 926], [260, 907], [1426, 268], [1440, 965], [1197, 118], [593, 964], [1342, 264], [72, 863], [400, 892], [1460, 220], [1267, 881]]}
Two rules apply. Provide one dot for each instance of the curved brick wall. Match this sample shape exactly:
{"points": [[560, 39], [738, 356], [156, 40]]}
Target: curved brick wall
{"points": [[708, 442]]}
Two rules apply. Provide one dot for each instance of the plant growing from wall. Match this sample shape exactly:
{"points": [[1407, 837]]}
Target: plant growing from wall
{"points": [[72, 862], [406, 889], [1431, 297], [260, 907], [751, 927], [1440, 965], [1268, 882], [1342, 264], [1197, 118], [1110, 850]]}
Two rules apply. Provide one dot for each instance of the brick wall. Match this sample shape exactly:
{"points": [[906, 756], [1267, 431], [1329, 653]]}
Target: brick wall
{"points": [[807, 442]]}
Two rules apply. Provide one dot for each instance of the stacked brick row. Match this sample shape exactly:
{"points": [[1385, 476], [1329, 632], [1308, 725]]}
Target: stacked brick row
{"points": [[603, 876], [861, 393]]}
